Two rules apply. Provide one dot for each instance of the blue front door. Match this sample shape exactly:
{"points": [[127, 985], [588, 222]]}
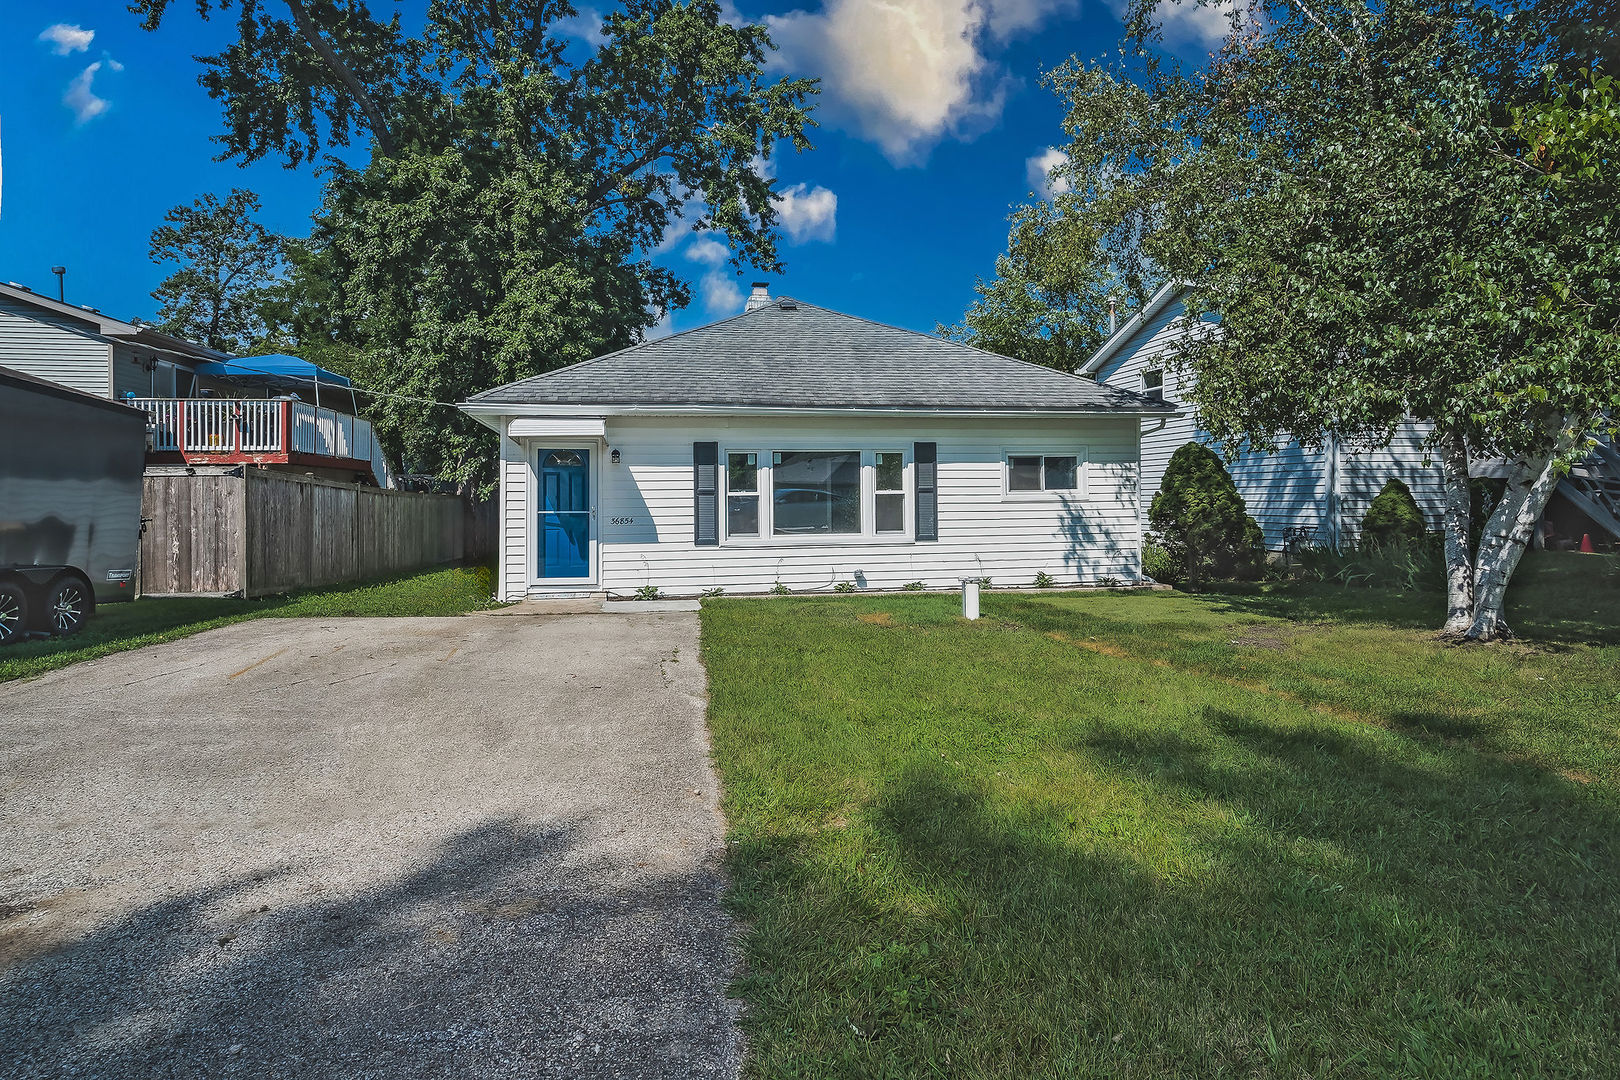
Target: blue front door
{"points": [[565, 514]]}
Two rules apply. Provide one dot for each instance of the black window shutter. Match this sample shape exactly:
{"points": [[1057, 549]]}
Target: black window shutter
{"points": [[926, 457], [706, 494]]}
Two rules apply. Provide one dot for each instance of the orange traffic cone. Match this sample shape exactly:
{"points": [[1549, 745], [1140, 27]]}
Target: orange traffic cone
{"points": [[1586, 543]]}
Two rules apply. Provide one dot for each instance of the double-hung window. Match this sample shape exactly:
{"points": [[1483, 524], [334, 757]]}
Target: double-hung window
{"points": [[1153, 384], [889, 491], [1029, 473], [742, 494]]}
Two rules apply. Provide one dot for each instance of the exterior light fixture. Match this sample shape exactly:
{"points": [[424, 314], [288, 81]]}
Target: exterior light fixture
{"points": [[615, 456]]}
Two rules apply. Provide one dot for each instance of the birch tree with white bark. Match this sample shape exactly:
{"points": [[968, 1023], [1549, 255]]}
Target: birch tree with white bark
{"points": [[1385, 208]]}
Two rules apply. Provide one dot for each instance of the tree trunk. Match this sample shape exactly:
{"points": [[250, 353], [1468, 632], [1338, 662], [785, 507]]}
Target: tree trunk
{"points": [[1530, 484], [1454, 520]]}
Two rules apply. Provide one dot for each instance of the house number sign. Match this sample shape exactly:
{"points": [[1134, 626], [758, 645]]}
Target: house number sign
{"points": [[622, 521]]}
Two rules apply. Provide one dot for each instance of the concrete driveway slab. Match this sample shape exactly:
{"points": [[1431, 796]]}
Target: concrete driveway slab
{"points": [[367, 848]]}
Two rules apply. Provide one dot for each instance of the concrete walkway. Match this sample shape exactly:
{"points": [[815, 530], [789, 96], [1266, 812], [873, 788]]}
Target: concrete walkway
{"points": [[367, 848]]}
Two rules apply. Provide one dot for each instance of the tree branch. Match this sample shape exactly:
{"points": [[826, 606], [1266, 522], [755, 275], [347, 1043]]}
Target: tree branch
{"points": [[1311, 15], [374, 116]]}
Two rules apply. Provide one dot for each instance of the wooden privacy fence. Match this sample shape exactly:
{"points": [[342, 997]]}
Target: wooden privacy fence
{"points": [[253, 532]]}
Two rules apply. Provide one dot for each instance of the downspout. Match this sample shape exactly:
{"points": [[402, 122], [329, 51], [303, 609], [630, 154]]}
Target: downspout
{"points": [[1335, 533]]}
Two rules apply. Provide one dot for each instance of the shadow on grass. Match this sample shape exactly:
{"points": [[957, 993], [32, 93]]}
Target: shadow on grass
{"points": [[1285, 901], [502, 954], [1556, 598]]}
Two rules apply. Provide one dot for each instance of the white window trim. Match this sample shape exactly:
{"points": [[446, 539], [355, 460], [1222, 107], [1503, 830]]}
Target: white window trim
{"points": [[765, 482], [1082, 474]]}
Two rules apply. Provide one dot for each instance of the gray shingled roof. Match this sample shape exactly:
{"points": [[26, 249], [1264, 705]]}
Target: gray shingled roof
{"points": [[789, 354]]}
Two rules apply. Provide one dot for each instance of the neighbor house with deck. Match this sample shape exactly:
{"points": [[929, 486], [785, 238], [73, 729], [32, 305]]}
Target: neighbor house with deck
{"points": [[207, 408], [799, 447]]}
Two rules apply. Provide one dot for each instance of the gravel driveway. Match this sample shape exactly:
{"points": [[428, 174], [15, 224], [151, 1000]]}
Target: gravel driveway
{"points": [[479, 846]]}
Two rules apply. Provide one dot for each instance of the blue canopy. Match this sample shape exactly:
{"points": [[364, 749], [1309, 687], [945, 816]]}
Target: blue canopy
{"points": [[274, 370]]}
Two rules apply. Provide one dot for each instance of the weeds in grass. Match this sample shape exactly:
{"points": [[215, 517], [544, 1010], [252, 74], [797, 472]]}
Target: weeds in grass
{"points": [[1043, 580], [914, 586], [844, 587], [1392, 565]]}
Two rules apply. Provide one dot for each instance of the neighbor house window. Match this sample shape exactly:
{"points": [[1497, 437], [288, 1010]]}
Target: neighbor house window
{"points": [[742, 494], [815, 492], [1043, 472], [889, 508], [1153, 384]]}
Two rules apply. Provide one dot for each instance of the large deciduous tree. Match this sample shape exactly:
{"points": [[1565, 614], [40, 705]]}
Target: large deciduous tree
{"points": [[1049, 298], [499, 222], [228, 262], [1346, 187]]}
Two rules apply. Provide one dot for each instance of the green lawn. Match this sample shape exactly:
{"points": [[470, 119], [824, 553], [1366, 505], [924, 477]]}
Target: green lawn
{"points": [[116, 627], [1275, 833]]}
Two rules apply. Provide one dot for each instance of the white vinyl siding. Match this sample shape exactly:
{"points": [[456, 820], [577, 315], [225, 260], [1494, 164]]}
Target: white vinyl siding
{"points": [[1362, 475], [512, 554], [644, 507], [50, 348], [1290, 488]]}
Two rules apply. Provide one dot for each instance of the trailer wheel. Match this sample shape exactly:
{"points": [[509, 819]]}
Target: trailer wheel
{"points": [[67, 605], [13, 612]]}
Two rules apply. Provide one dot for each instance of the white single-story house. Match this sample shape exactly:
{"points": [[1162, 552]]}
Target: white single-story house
{"points": [[1323, 493], [796, 446]]}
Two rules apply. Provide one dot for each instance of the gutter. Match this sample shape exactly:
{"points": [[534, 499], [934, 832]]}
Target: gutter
{"points": [[481, 410]]}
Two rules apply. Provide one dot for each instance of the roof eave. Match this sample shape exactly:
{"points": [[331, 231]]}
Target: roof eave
{"points": [[489, 412]]}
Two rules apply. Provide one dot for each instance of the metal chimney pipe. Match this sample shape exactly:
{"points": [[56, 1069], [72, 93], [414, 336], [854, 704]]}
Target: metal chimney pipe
{"points": [[61, 274]]}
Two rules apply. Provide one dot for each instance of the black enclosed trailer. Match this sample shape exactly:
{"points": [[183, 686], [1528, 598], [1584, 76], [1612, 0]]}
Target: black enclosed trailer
{"points": [[70, 504]]}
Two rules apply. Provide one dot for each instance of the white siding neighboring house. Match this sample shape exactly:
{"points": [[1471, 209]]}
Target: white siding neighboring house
{"points": [[800, 446], [1326, 491]]}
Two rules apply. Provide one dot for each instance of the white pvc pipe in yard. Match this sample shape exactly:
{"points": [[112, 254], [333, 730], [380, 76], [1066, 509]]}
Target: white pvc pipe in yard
{"points": [[970, 598]]}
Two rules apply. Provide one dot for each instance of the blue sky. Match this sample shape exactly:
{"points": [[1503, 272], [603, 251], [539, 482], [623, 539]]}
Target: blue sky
{"points": [[931, 113]]}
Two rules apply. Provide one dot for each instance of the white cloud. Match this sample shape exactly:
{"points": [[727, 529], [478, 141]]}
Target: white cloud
{"points": [[67, 39], [906, 73], [808, 213], [586, 25], [82, 99], [1039, 169], [662, 328], [721, 296], [1192, 23], [707, 250]]}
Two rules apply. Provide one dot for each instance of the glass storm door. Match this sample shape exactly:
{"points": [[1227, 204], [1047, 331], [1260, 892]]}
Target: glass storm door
{"points": [[565, 514]]}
